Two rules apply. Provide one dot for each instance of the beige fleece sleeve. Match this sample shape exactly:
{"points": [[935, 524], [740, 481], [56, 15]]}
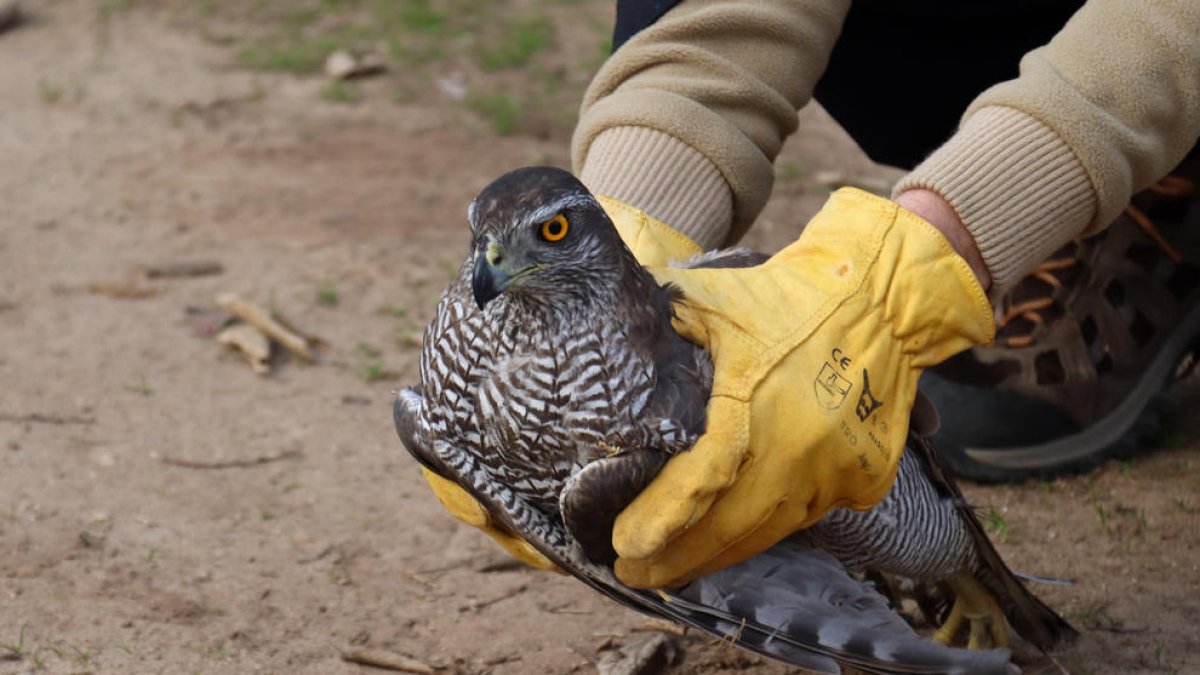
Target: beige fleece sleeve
{"points": [[1110, 105], [709, 92]]}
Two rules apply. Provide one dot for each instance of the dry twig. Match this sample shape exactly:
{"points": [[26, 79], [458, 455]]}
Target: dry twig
{"points": [[188, 268], [121, 290], [505, 565], [380, 658], [253, 344], [232, 464], [657, 626], [42, 418], [476, 605], [259, 318]]}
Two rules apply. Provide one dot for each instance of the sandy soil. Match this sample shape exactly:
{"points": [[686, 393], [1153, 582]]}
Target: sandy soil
{"points": [[164, 510]]}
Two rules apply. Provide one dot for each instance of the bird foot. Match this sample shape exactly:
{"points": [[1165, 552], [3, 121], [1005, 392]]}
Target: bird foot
{"points": [[611, 450], [974, 604]]}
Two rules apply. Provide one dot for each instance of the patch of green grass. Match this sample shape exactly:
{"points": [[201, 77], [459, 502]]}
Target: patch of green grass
{"points": [[141, 387], [415, 53], [789, 172], [408, 338], [603, 50], [369, 351], [1160, 660], [50, 94], [1096, 617], [517, 45], [301, 17], [108, 8], [340, 91], [375, 372], [298, 55], [995, 524], [372, 371], [1103, 515], [503, 112], [403, 95], [15, 649], [327, 294], [393, 310], [414, 15], [221, 651]]}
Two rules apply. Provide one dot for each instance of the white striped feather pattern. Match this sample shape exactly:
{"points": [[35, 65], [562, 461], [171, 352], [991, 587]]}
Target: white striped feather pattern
{"points": [[532, 402]]}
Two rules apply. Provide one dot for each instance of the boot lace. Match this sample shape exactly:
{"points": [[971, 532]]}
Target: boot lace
{"points": [[1031, 310]]}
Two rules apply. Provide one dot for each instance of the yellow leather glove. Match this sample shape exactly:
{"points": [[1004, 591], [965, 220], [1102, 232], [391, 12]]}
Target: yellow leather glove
{"points": [[466, 508], [653, 243], [817, 355]]}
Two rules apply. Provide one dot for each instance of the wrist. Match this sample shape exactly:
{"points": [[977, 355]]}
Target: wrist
{"points": [[936, 211]]}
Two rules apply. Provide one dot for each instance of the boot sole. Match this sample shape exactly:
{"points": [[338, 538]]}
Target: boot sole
{"points": [[1116, 435]]}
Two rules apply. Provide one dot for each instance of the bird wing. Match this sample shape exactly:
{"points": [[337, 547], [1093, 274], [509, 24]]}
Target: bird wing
{"points": [[1032, 618], [797, 603], [593, 498], [406, 412], [793, 603]]}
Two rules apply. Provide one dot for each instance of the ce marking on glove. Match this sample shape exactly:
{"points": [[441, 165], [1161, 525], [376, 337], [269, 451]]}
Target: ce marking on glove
{"points": [[830, 387]]}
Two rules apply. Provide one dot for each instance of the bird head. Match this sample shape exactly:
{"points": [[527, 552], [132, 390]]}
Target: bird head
{"points": [[543, 239]]}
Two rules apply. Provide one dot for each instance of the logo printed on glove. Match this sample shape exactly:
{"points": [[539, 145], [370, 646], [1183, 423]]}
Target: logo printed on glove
{"points": [[867, 403], [830, 387]]}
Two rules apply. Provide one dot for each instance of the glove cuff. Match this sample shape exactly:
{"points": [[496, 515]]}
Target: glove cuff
{"points": [[653, 242]]}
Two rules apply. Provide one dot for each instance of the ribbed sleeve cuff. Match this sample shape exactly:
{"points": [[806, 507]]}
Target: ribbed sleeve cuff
{"points": [[664, 177], [1018, 188]]}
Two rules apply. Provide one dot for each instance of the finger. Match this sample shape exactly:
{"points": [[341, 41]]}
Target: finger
{"points": [[685, 489], [713, 305], [753, 515], [725, 536], [777, 526]]}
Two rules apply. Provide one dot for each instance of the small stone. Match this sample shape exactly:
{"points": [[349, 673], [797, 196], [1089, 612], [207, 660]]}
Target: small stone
{"points": [[10, 14], [453, 86], [339, 64], [647, 657], [342, 65]]}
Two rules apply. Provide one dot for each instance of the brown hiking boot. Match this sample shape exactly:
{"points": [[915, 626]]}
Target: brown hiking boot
{"points": [[1085, 348]]}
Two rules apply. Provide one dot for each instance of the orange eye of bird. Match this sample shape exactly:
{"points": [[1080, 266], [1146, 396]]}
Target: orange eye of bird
{"points": [[555, 228]]}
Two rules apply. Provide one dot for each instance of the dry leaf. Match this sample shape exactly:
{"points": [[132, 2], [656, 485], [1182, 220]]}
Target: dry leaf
{"points": [[251, 342]]}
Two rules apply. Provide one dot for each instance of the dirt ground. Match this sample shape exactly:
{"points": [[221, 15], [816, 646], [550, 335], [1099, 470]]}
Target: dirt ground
{"points": [[165, 510]]}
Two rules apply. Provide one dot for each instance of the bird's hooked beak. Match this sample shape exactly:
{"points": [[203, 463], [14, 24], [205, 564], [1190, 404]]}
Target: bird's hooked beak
{"points": [[495, 270]]}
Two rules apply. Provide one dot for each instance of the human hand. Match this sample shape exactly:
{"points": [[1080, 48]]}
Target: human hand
{"points": [[817, 354]]}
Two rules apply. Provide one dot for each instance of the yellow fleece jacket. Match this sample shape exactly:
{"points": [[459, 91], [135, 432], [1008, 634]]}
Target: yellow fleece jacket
{"points": [[687, 117]]}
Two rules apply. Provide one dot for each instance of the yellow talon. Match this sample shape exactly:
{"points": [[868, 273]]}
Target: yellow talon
{"points": [[973, 602], [945, 634], [611, 450]]}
